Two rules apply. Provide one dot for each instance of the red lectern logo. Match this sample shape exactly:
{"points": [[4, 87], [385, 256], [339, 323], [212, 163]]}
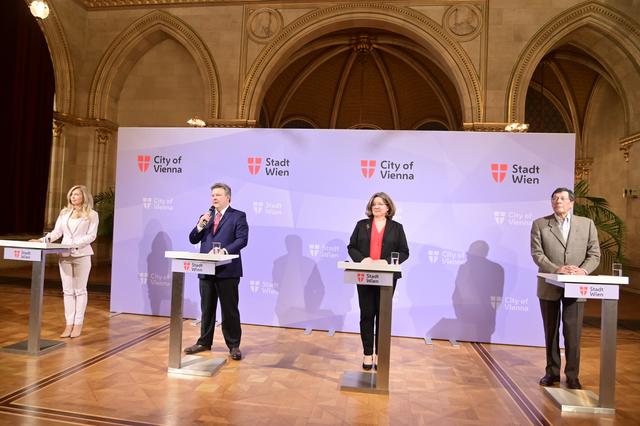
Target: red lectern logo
{"points": [[583, 290], [16, 253], [254, 164], [360, 277], [187, 265], [143, 162], [499, 171], [368, 168]]}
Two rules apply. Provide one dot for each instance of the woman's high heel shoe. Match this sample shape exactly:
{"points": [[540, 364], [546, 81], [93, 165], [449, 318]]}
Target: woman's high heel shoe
{"points": [[367, 362], [77, 330], [67, 331]]}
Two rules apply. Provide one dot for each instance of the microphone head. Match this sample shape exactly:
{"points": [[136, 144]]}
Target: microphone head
{"points": [[211, 212]]}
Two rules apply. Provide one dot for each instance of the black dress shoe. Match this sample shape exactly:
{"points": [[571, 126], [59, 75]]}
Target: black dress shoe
{"points": [[366, 366], [574, 383], [236, 355], [196, 348], [549, 380]]}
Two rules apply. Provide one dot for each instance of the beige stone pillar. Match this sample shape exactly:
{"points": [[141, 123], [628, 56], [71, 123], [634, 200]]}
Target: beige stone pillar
{"points": [[100, 160], [55, 191]]}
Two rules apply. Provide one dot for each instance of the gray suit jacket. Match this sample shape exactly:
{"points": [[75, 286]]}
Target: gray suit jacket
{"points": [[550, 252]]}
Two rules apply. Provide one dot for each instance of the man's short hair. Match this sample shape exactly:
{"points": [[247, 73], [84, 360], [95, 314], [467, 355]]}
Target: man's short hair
{"points": [[572, 196], [227, 188]]}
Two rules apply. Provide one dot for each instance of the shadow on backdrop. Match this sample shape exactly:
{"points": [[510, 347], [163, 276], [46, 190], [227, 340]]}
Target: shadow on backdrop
{"points": [[478, 291], [300, 288], [428, 286], [156, 280], [339, 295]]}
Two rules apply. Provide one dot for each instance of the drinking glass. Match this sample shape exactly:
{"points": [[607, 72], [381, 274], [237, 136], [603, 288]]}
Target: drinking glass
{"points": [[616, 269], [216, 248]]}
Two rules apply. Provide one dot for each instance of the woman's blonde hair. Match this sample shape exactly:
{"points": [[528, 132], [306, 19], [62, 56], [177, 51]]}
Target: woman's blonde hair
{"points": [[87, 201], [386, 199]]}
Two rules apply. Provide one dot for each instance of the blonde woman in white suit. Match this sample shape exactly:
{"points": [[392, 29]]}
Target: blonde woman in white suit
{"points": [[78, 225]]}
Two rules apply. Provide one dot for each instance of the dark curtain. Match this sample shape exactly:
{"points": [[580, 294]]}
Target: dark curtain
{"points": [[26, 93]]}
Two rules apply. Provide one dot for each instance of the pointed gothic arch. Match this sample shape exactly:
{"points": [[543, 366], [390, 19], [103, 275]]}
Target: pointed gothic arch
{"points": [[125, 51], [61, 60], [602, 32], [448, 53]]}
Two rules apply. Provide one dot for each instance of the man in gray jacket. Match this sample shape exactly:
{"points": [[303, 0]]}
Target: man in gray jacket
{"points": [[563, 243]]}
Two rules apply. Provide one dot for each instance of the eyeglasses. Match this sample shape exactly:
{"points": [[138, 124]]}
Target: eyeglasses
{"points": [[560, 199]]}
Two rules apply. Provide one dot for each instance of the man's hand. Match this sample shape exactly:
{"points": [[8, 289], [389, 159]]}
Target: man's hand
{"points": [[204, 219], [570, 270]]}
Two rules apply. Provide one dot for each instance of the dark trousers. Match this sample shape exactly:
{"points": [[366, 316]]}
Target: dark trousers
{"points": [[213, 288], [572, 314], [369, 301]]}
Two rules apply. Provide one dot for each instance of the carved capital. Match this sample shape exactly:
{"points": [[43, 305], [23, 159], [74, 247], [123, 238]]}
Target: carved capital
{"points": [[231, 123], [84, 122], [484, 127], [57, 128], [583, 168], [627, 143], [103, 135]]}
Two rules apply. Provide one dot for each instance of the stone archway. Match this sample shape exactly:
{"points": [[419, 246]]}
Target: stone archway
{"points": [[131, 45], [447, 52], [61, 60], [598, 30]]}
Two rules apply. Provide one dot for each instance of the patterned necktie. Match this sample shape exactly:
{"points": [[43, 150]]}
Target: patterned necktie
{"points": [[216, 221]]}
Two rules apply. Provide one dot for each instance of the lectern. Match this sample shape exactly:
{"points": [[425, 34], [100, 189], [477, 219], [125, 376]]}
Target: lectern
{"points": [[35, 252], [195, 263], [606, 288], [375, 274]]}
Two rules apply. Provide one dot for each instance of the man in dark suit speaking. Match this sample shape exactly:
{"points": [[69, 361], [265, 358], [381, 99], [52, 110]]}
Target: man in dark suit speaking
{"points": [[563, 243], [225, 225]]}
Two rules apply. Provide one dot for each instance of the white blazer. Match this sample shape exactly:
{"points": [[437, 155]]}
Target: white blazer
{"points": [[83, 234]]}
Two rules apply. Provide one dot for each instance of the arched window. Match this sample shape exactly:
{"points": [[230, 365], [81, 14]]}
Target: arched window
{"points": [[298, 123], [432, 125]]}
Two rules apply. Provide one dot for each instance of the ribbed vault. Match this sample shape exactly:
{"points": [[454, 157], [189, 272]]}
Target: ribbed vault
{"points": [[361, 78]]}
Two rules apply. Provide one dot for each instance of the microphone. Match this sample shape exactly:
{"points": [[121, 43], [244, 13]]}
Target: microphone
{"points": [[211, 212]]}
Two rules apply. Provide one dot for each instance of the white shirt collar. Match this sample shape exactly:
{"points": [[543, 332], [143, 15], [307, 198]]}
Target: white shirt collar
{"points": [[224, 211], [560, 220]]}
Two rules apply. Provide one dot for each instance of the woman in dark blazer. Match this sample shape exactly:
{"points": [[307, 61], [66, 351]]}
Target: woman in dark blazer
{"points": [[373, 240]]}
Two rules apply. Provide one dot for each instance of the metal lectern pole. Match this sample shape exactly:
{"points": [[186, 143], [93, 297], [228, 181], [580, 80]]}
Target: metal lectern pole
{"points": [[608, 331], [191, 365], [35, 306], [175, 327], [384, 343]]}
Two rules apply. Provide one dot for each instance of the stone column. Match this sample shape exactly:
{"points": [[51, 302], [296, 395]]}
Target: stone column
{"points": [[55, 191], [100, 160]]}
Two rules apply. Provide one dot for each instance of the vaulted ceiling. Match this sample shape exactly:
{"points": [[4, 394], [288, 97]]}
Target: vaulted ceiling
{"points": [[362, 78]]}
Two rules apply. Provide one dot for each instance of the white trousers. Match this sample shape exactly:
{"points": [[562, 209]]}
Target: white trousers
{"points": [[74, 272]]}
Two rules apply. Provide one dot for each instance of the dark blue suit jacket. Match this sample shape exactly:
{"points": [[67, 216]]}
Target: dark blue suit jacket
{"points": [[232, 234]]}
